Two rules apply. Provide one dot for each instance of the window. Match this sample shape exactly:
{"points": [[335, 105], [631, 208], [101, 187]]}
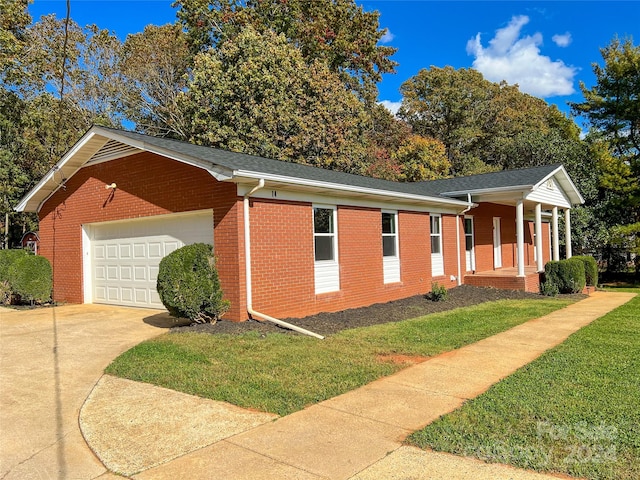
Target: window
{"points": [[436, 234], [437, 259], [390, 257], [468, 233], [325, 238], [470, 254], [324, 233], [389, 236]]}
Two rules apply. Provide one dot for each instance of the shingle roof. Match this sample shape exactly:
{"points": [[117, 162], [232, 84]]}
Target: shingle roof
{"points": [[240, 165], [505, 179], [252, 163], [437, 188]]}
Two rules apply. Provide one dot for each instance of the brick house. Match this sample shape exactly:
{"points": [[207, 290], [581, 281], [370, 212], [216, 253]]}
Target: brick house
{"points": [[291, 240]]}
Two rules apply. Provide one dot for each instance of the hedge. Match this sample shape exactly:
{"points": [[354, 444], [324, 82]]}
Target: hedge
{"points": [[567, 275], [189, 286], [30, 277], [590, 269]]}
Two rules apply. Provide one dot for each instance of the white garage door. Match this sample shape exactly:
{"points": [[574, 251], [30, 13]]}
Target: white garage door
{"points": [[125, 255]]}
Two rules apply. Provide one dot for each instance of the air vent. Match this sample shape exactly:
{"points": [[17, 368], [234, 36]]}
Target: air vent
{"points": [[111, 150]]}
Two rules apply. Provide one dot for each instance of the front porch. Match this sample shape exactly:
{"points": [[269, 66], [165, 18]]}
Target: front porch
{"points": [[506, 278]]}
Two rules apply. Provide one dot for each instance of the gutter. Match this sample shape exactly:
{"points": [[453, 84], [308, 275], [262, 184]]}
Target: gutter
{"points": [[247, 259], [471, 205]]}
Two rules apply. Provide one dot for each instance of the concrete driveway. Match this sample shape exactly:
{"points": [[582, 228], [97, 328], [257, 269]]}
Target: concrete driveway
{"points": [[50, 360]]}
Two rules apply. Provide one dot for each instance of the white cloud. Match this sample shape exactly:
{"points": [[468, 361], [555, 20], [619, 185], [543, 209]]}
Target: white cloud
{"points": [[393, 107], [562, 40], [517, 59], [387, 37]]}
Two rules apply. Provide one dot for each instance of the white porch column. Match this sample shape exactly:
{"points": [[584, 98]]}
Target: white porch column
{"points": [[567, 230], [556, 236], [520, 236], [538, 243]]}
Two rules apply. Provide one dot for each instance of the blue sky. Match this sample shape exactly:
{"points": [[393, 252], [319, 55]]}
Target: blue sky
{"points": [[545, 47]]}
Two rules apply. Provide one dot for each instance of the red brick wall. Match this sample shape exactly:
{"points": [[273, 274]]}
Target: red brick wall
{"points": [[147, 185], [283, 258]]}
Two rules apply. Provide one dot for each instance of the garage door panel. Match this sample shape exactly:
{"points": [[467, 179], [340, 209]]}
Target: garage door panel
{"points": [[113, 294], [140, 273], [155, 250], [100, 294], [153, 273], [126, 273], [112, 272], [98, 252], [126, 295], [139, 250], [125, 251], [126, 255]]}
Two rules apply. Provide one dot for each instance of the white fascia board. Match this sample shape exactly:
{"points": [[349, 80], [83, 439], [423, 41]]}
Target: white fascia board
{"points": [[219, 173], [572, 192], [387, 194], [49, 177]]}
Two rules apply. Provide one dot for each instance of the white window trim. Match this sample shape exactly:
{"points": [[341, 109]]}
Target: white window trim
{"points": [[436, 272], [473, 242], [391, 263], [327, 272]]}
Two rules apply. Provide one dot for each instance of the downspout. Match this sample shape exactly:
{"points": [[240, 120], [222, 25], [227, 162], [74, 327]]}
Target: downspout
{"points": [[459, 278], [247, 259]]}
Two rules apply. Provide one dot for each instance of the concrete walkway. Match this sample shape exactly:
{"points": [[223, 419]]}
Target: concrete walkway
{"points": [[357, 435], [50, 360]]}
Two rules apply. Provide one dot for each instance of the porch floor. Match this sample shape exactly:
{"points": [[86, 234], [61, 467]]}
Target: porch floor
{"points": [[506, 278]]}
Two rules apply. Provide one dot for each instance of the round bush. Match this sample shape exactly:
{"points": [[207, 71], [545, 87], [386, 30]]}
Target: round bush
{"points": [[189, 286], [7, 258], [30, 277]]}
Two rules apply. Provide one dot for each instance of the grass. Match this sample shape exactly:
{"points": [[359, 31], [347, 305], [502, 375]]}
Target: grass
{"points": [[282, 373], [575, 410]]}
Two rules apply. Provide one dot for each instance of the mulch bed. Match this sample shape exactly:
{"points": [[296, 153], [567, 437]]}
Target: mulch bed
{"points": [[330, 323]]}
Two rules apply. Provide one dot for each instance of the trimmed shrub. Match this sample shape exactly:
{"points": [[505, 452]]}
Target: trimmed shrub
{"points": [[438, 292], [567, 275], [590, 269], [7, 258], [30, 277], [549, 289], [189, 286]]}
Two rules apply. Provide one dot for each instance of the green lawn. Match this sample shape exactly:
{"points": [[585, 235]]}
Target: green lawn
{"points": [[283, 373], [575, 410]]}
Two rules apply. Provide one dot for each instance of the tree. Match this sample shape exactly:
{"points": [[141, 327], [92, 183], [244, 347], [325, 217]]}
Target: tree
{"points": [[486, 126], [149, 89], [612, 106], [339, 33], [422, 159], [255, 94], [14, 19], [451, 106]]}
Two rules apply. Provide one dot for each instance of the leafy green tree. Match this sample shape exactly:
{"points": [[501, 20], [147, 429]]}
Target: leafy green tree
{"points": [[149, 89], [451, 106], [14, 19], [422, 159], [338, 33], [255, 94], [612, 106]]}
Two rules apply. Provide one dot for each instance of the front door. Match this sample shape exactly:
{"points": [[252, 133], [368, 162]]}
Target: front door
{"points": [[497, 243]]}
